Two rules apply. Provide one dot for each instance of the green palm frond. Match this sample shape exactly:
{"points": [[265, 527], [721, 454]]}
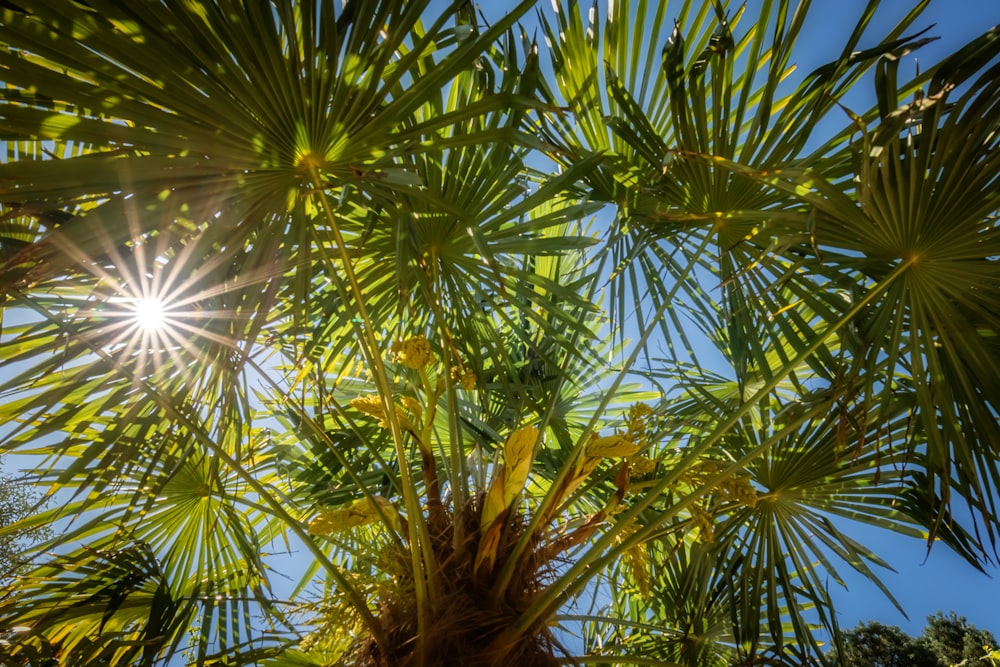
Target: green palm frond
{"points": [[122, 609], [723, 96], [925, 180]]}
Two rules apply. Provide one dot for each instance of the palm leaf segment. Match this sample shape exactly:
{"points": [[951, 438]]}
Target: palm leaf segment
{"points": [[927, 198]]}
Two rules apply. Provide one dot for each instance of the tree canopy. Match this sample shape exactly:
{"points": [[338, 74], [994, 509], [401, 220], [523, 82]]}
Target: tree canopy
{"points": [[379, 333], [945, 641], [18, 501]]}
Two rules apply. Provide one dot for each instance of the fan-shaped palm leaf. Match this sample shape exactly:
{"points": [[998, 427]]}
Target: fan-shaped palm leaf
{"points": [[925, 183]]}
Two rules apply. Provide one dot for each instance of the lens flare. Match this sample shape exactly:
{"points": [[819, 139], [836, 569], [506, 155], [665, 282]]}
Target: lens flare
{"points": [[150, 314]]}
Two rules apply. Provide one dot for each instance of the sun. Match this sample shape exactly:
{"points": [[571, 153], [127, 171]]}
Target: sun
{"points": [[150, 314]]}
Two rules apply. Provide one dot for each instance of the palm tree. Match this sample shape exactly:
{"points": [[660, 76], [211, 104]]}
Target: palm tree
{"points": [[317, 320]]}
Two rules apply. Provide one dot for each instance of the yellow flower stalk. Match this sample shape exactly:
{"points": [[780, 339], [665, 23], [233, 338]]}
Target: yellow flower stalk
{"points": [[703, 522], [413, 405], [511, 477], [636, 559], [372, 406], [332, 520], [642, 465], [518, 452], [740, 490], [737, 488], [611, 446], [464, 379], [637, 423], [414, 352]]}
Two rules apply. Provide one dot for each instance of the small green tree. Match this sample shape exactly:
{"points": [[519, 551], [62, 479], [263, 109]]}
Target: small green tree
{"points": [[17, 501], [874, 644], [946, 641], [955, 641]]}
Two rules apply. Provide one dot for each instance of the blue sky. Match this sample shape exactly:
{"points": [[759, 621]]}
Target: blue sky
{"points": [[922, 584]]}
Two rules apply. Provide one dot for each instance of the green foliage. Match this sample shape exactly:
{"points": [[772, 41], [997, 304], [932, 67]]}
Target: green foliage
{"points": [[18, 502], [946, 641], [462, 337], [876, 645], [957, 642]]}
